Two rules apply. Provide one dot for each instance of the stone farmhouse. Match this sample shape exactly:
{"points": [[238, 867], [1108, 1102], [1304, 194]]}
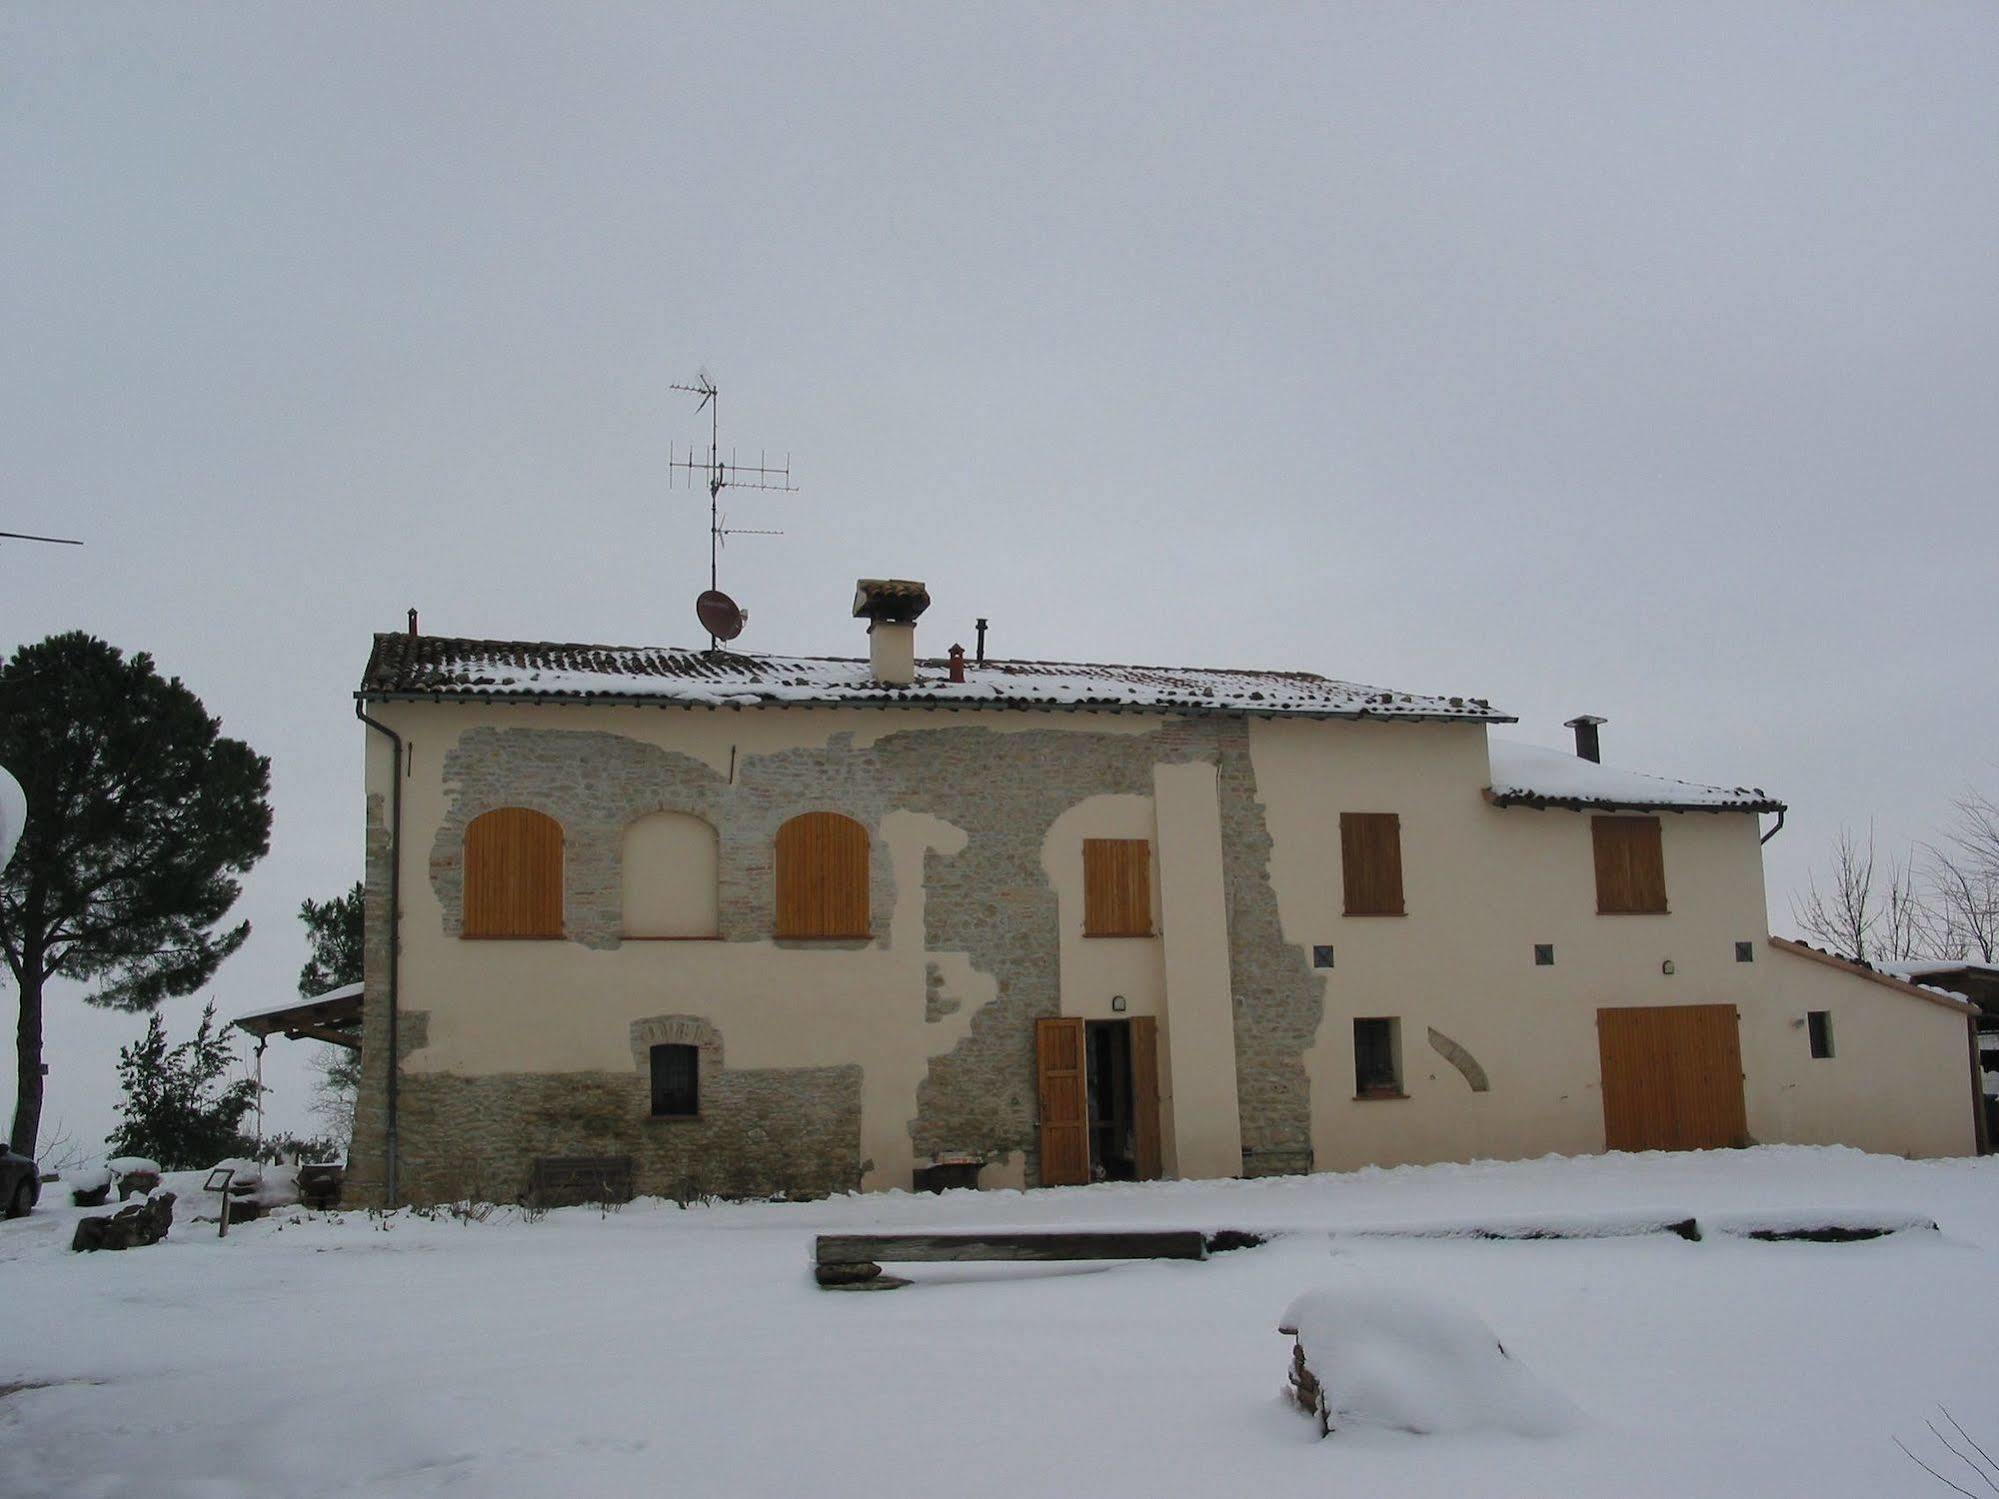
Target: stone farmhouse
{"points": [[690, 921]]}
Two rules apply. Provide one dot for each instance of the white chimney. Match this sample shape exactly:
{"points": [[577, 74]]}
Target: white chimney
{"points": [[891, 606]]}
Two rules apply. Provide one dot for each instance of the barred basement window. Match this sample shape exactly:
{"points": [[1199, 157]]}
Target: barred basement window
{"points": [[1377, 1071], [1819, 1023], [676, 1081]]}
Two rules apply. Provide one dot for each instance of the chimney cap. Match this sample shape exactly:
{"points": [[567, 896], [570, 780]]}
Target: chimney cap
{"points": [[890, 600], [1582, 718]]}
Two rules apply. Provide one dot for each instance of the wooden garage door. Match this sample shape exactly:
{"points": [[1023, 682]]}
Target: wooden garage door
{"points": [[1672, 1078]]}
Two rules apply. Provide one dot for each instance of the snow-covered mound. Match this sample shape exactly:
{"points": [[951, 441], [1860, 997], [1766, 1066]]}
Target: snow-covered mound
{"points": [[1414, 1362], [87, 1178]]}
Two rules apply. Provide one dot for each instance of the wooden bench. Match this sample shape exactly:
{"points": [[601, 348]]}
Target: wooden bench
{"points": [[571, 1180], [854, 1261]]}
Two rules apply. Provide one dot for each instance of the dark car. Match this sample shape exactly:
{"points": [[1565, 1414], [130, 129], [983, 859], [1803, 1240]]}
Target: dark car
{"points": [[20, 1183]]}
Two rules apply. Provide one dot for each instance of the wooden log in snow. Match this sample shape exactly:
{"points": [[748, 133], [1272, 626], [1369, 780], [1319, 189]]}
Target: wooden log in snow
{"points": [[1173, 1244]]}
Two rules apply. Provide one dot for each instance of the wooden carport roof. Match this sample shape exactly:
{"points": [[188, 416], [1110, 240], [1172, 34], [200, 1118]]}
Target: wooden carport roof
{"points": [[333, 1017]]}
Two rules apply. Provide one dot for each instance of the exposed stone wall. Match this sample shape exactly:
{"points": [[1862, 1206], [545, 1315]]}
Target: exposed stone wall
{"points": [[762, 1132], [1278, 1006], [938, 1000], [367, 1153], [992, 900], [596, 785]]}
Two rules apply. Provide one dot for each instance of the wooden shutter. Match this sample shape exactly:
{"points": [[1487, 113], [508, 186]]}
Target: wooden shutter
{"points": [[1371, 862], [1062, 1093], [1630, 866], [1672, 1078], [1117, 887], [1145, 1096], [513, 875], [822, 877]]}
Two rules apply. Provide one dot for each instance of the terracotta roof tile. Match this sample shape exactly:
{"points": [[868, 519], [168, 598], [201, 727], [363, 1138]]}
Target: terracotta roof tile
{"points": [[426, 666]]}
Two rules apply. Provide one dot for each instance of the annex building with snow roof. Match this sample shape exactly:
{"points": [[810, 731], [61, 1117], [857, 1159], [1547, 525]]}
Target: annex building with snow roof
{"points": [[707, 921]]}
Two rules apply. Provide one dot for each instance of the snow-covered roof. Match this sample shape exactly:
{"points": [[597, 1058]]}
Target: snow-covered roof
{"points": [[1528, 775], [332, 1016], [443, 668], [1930, 992], [1930, 968]]}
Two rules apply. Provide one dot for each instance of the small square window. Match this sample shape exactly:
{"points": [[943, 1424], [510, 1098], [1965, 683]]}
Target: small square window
{"points": [[1819, 1023], [1745, 952], [1544, 955], [1322, 956], [1377, 1062], [676, 1082]]}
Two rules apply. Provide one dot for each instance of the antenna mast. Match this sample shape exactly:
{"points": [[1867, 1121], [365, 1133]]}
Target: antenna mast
{"points": [[725, 473]]}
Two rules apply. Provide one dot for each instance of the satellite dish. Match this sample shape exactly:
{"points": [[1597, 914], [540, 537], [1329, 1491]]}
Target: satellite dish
{"points": [[719, 615]]}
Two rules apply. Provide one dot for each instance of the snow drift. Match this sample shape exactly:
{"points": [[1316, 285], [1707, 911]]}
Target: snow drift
{"points": [[1419, 1363]]}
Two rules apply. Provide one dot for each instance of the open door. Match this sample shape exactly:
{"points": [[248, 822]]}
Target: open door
{"points": [[1145, 1096], [1062, 1093]]}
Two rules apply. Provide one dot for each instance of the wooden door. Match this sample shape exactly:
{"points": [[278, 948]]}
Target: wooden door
{"points": [[1145, 1097], [1672, 1078], [1063, 1093]]}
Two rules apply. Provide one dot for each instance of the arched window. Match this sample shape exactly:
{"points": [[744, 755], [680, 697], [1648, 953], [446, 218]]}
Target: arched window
{"points": [[669, 864], [822, 877], [513, 875]]}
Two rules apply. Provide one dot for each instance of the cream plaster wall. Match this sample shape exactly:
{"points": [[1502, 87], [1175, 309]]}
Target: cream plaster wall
{"points": [[1097, 969], [669, 863], [522, 1006], [1201, 1115], [1899, 1079], [1482, 886]]}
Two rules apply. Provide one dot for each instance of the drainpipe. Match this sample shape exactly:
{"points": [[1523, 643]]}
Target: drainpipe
{"points": [[395, 937], [1776, 830]]}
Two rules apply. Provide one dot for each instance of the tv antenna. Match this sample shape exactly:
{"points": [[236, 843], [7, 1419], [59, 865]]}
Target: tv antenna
{"points": [[724, 473], [59, 541]]}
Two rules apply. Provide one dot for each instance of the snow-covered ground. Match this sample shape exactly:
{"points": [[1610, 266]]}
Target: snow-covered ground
{"points": [[687, 1351]]}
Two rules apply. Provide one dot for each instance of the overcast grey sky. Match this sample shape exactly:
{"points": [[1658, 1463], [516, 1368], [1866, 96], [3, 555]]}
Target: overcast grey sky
{"points": [[1639, 360]]}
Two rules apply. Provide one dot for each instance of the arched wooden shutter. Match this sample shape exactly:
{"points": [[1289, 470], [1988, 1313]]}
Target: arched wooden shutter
{"points": [[513, 874], [822, 877]]}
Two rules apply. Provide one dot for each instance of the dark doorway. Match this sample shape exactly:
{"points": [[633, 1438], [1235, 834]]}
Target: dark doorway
{"points": [[1113, 1116]]}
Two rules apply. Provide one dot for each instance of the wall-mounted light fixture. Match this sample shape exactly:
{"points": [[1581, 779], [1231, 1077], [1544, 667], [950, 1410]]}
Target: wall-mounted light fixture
{"points": [[1667, 968], [1117, 1004]]}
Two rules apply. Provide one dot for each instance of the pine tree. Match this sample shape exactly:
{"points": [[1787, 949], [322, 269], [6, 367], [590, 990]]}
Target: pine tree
{"points": [[334, 933], [140, 816], [177, 1109]]}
